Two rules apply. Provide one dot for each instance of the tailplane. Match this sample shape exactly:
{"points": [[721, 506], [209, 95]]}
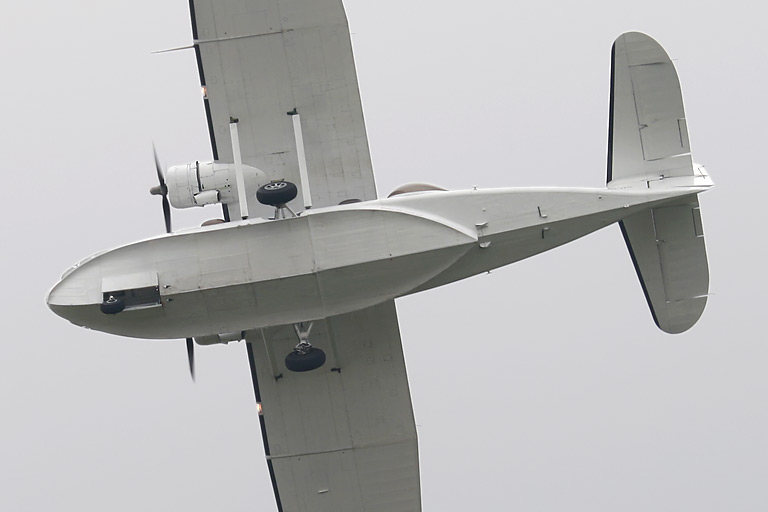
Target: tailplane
{"points": [[648, 148], [667, 248]]}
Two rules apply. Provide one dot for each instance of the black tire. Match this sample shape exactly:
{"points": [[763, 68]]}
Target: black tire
{"points": [[112, 306], [277, 193], [312, 360]]}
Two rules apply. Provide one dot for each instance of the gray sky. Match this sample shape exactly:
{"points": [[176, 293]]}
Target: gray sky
{"points": [[542, 387]]}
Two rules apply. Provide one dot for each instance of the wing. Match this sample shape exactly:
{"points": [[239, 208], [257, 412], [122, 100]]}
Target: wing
{"points": [[259, 60], [341, 437]]}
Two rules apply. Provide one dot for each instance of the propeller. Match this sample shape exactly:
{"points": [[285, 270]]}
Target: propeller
{"points": [[161, 190], [191, 357]]}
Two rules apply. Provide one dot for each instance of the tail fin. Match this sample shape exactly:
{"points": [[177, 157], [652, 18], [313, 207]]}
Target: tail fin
{"points": [[647, 132], [667, 248], [648, 147]]}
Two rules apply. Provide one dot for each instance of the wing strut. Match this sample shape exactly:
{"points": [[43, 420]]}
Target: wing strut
{"points": [[241, 196], [301, 155]]}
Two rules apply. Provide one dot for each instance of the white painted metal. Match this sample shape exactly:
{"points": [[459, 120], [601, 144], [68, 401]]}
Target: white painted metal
{"points": [[128, 281], [649, 134], [302, 157], [207, 197], [242, 198], [344, 439], [192, 184], [667, 245], [649, 149], [227, 278], [264, 58], [223, 338]]}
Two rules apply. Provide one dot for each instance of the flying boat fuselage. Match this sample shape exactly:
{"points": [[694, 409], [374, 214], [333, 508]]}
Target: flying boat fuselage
{"points": [[255, 273]]}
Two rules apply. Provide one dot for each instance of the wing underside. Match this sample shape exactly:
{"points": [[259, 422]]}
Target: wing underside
{"points": [[260, 60], [342, 437]]}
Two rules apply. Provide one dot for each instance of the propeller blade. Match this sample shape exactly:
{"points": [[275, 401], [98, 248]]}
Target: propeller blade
{"points": [[191, 357], [161, 190], [159, 170], [167, 214]]}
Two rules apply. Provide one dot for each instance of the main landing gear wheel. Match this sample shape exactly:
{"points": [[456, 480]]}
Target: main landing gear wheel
{"points": [[112, 306], [304, 357], [277, 193]]}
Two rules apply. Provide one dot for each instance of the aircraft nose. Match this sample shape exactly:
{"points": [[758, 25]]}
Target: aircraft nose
{"points": [[77, 289]]}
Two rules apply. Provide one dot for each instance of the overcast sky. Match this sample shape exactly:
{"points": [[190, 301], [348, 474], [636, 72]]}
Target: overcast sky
{"points": [[544, 386]]}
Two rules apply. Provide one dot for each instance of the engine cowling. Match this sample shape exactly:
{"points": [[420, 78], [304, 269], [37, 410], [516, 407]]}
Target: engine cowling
{"points": [[201, 183], [223, 338]]}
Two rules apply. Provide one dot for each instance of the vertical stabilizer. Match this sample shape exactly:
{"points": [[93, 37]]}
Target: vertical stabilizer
{"points": [[647, 131], [648, 148], [667, 248]]}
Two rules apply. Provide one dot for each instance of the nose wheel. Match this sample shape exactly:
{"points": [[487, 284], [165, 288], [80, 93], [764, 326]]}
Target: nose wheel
{"points": [[304, 357], [112, 305]]}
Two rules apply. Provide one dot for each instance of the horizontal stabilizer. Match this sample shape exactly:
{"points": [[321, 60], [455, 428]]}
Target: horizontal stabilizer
{"points": [[647, 131], [667, 247]]}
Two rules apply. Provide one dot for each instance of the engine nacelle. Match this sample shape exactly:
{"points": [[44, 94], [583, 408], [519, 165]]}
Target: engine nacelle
{"points": [[223, 338], [201, 183]]}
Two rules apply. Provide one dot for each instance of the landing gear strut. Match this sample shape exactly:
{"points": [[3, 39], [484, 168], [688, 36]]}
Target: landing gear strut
{"points": [[304, 356]]}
